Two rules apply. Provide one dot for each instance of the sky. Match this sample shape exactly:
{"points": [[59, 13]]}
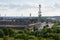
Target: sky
{"points": [[25, 7]]}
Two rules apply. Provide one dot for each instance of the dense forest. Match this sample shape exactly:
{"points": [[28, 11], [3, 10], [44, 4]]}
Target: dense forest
{"points": [[28, 34]]}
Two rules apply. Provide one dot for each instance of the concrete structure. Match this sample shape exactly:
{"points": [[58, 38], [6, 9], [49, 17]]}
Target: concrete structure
{"points": [[40, 25]]}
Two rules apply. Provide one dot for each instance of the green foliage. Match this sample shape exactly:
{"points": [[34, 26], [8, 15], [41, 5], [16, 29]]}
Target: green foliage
{"points": [[57, 36], [26, 30], [20, 31], [49, 39], [11, 32], [35, 28], [27, 34], [31, 33], [5, 30], [1, 38], [1, 34], [5, 38], [42, 39], [20, 36], [56, 29], [32, 38]]}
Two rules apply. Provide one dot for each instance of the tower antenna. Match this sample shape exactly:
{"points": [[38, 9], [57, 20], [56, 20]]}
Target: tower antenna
{"points": [[39, 17], [39, 13], [30, 14]]}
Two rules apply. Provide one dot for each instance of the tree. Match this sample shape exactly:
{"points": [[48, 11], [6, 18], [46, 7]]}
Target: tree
{"points": [[20, 36], [42, 39], [32, 38], [57, 37], [26, 30], [35, 28], [1, 34], [20, 31], [5, 31], [11, 32], [5, 38]]}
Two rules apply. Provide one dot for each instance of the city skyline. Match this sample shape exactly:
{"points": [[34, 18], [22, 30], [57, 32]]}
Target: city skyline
{"points": [[25, 7]]}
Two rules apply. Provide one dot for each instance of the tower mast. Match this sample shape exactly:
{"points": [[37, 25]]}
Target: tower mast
{"points": [[30, 14], [39, 18], [39, 13]]}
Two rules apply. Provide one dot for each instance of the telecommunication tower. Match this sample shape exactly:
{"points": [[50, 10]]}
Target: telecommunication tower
{"points": [[39, 13], [30, 14]]}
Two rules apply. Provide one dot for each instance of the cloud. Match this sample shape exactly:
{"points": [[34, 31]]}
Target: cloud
{"points": [[18, 7], [57, 5], [13, 6]]}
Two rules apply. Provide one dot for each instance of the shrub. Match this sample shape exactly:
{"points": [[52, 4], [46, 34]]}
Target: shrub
{"points": [[20, 31], [32, 38], [20, 36], [5, 38]]}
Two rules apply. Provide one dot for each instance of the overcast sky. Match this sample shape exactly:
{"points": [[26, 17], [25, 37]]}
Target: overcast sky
{"points": [[25, 7]]}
